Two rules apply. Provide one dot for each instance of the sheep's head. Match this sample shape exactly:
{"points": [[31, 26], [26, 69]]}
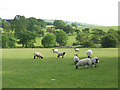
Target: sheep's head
{"points": [[97, 60], [89, 57], [76, 55], [63, 53], [41, 57]]}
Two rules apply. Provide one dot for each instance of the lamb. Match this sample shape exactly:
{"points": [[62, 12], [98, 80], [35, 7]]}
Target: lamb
{"points": [[38, 55], [61, 54], [89, 53], [85, 61], [95, 61], [76, 59], [55, 50], [76, 49]]}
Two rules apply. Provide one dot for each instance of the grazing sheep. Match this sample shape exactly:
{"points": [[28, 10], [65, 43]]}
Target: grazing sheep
{"points": [[76, 49], [55, 50], [61, 54], [85, 61], [76, 59], [38, 55], [89, 53], [95, 61]]}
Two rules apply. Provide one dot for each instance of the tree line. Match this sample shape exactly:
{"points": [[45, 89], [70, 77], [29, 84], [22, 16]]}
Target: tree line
{"points": [[24, 31]]}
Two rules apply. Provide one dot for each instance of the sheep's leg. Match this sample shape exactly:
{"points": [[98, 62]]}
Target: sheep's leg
{"points": [[91, 65], [58, 56], [84, 67], [76, 67], [81, 66], [75, 62], [62, 56], [34, 57], [95, 65], [88, 66]]}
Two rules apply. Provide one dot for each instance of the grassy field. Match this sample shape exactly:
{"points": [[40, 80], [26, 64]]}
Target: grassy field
{"points": [[20, 70]]}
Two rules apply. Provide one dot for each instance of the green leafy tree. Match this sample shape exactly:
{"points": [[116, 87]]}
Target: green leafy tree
{"points": [[48, 40], [19, 23], [88, 43], [108, 41], [26, 37], [51, 30], [59, 24], [77, 30], [6, 26], [37, 30], [86, 30], [68, 29], [79, 37], [61, 38], [42, 23], [97, 34], [31, 22], [74, 25], [95, 39], [8, 41]]}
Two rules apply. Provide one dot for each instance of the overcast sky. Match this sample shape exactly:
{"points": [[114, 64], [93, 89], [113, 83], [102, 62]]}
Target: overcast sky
{"points": [[100, 12]]}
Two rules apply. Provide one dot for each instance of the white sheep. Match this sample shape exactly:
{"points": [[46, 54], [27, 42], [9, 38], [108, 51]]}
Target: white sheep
{"points": [[76, 49], [89, 53], [38, 55], [55, 50], [95, 61], [76, 58], [85, 61], [61, 54]]}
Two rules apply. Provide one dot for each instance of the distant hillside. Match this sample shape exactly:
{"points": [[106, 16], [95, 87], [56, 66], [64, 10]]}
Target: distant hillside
{"points": [[70, 22]]}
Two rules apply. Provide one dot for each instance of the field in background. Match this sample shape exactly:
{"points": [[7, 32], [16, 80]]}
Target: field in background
{"points": [[20, 70]]}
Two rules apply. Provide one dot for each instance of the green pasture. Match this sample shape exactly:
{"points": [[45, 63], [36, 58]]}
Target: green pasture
{"points": [[20, 70]]}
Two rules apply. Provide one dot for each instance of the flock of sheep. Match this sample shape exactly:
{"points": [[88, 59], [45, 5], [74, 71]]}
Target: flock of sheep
{"points": [[86, 61]]}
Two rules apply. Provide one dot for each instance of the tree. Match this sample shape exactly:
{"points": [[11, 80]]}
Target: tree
{"points": [[95, 39], [42, 23], [59, 24], [6, 26], [51, 30], [31, 22], [68, 29], [37, 30], [79, 37], [74, 25], [61, 38], [48, 40], [108, 41], [26, 37], [19, 23], [86, 30], [8, 41], [77, 30], [97, 34]]}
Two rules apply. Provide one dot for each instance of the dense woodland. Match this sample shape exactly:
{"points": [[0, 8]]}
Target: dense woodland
{"points": [[24, 31]]}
